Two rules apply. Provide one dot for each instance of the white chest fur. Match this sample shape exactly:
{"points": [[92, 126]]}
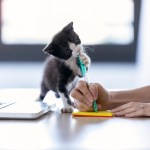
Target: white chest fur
{"points": [[72, 84], [72, 64]]}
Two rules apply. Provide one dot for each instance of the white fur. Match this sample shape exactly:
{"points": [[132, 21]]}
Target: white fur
{"points": [[76, 48], [72, 84], [71, 62], [66, 106]]}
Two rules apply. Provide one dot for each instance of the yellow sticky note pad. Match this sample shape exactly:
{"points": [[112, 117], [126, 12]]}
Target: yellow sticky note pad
{"points": [[93, 114]]}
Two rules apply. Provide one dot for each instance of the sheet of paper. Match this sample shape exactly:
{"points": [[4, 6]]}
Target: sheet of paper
{"points": [[93, 114]]}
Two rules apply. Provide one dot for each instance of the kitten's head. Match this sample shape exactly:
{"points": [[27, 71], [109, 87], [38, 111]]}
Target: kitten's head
{"points": [[64, 44]]}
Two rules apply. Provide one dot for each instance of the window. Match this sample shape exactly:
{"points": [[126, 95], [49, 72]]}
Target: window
{"points": [[108, 28]]}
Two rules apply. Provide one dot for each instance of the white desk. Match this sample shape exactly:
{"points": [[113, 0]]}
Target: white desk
{"points": [[60, 131]]}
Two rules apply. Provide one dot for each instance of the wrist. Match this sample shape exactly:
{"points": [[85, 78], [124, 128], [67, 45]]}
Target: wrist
{"points": [[110, 100], [107, 101]]}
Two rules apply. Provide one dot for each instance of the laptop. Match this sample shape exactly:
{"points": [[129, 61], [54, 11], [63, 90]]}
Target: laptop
{"points": [[26, 110]]}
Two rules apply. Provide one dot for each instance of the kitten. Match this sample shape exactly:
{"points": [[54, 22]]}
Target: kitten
{"points": [[62, 70]]}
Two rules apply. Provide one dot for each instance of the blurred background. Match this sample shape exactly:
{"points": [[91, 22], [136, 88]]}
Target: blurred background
{"points": [[116, 33]]}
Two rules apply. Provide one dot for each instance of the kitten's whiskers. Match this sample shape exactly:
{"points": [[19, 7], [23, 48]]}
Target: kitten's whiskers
{"points": [[86, 48]]}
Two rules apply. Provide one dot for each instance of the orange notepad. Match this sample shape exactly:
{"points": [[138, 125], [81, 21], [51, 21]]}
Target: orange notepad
{"points": [[93, 114]]}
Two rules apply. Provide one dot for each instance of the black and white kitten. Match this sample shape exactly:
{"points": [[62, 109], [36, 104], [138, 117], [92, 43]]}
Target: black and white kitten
{"points": [[62, 70]]}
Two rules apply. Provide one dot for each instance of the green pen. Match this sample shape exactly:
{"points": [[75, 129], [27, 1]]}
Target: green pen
{"points": [[84, 74]]}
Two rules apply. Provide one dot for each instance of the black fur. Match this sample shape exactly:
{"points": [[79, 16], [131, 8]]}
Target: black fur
{"points": [[57, 75], [59, 46]]}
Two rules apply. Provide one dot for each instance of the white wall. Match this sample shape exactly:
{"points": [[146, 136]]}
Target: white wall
{"points": [[143, 57], [112, 76]]}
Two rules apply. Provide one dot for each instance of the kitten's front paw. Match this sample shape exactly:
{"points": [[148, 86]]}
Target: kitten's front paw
{"points": [[86, 59], [68, 109]]}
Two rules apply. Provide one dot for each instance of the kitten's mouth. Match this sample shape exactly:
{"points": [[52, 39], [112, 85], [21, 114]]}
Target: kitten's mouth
{"points": [[79, 49]]}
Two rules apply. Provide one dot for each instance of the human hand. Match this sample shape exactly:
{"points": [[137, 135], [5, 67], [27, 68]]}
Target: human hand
{"points": [[132, 109], [84, 94]]}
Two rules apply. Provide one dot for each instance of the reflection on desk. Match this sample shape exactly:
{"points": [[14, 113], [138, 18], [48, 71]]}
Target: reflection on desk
{"points": [[62, 131]]}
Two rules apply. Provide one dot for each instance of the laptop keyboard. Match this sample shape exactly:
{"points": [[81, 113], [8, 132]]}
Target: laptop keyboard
{"points": [[5, 104]]}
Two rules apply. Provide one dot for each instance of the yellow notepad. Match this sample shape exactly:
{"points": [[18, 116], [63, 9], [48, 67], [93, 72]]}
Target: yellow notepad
{"points": [[93, 114]]}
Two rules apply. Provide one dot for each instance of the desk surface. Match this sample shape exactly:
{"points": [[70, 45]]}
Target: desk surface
{"points": [[62, 131]]}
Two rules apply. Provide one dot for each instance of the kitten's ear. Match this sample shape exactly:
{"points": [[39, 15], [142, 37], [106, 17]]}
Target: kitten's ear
{"points": [[48, 49], [68, 28]]}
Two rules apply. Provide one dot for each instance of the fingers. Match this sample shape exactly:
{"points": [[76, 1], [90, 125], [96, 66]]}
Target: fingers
{"points": [[94, 90], [126, 111], [84, 95], [121, 108], [132, 109], [77, 95], [135, 114], [84, 89], [83, 107], [81, 93]]}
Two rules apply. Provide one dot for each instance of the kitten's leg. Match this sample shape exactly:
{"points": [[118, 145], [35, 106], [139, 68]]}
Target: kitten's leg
{"points": [[67, 103], [44, 91], [67, 108]]}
